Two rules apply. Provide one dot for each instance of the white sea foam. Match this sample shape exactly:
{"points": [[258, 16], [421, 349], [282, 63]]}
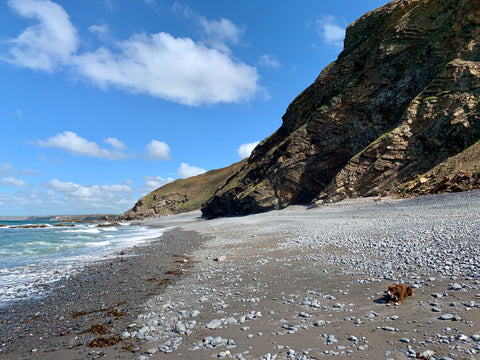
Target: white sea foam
{"points": [[29, 258], [86, 231]]}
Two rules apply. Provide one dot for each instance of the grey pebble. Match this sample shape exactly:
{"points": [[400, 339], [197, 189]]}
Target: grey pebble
{"points": [[388, 328], [331, 339], [214, 324], [449, 317]]}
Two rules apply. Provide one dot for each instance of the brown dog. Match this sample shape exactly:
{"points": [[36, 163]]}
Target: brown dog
{"points": [[398, 292]]}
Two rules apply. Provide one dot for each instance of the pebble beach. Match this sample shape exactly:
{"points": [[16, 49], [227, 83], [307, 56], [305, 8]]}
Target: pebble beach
{"points": [[300, 283]]}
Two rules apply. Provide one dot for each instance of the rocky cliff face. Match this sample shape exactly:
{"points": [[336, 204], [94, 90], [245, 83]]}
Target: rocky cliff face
{"points": [[402, 98]]}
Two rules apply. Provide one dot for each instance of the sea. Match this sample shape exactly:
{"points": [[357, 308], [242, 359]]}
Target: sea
{"points": [[31, 256]]}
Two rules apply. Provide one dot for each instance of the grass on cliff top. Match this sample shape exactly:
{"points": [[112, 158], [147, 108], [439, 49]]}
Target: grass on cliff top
{"points": [[195, 190]]}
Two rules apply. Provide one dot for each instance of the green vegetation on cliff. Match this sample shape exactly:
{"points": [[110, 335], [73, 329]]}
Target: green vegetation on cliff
{"points": [[180, 196]]}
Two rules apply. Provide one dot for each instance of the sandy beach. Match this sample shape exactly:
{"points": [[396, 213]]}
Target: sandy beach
{"points": [[298, 283]]}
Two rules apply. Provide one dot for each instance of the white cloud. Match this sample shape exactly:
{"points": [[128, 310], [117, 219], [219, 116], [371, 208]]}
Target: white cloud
{"points": [[186, 171], [52, 41], [100, 30], [86, 192], [174, 69], [245, 150], [59, 197], [153, 183], [160, 65], [77, 145], [117, 144], [216, 33], [88, 198], [158, 150], [331, 32], [11, 181], [219, 32], [269, 61]]}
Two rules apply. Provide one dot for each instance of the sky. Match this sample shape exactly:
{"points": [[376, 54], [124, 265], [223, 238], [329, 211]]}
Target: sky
{"points": [[103, 101]]}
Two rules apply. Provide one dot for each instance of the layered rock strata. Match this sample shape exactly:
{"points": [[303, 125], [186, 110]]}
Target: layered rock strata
{"points": [[402, 98]]}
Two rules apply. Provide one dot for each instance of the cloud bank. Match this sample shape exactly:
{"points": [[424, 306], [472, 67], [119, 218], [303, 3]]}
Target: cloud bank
{"points": [[11, 181], [175, 69], [76, 197]]}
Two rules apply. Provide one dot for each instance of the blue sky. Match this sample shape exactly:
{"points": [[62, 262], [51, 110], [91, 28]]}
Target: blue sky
{"points": [[105, 101]]}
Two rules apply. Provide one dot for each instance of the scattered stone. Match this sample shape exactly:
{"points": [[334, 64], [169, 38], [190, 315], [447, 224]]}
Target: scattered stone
{"points": [[331, 339], [214, 324], [125, 335], [455, 286], [449, 317], [389, 328], [230, 321], [180, 328], [427, 354], [304, 315]]}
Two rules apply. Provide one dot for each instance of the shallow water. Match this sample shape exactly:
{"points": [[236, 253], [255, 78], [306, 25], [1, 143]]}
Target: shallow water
{"points": [[31, 257]]}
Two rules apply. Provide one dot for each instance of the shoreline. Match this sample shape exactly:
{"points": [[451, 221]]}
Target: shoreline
{"points": [[304, 284], [34, 257], [93, 305]]}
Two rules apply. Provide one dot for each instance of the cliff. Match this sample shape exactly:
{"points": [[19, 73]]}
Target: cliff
{"points": [[180, 196], [399, 105]]}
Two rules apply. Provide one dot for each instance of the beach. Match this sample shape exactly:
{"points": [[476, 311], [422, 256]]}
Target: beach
{"points": [[299, 283]]}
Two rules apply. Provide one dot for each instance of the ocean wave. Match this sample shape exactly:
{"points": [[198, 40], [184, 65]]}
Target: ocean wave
{"points": [[42, 257], [98, 243], [85, 231], [110, 228]]}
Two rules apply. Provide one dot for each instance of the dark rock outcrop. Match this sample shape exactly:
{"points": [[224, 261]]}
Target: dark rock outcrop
{"points": [[402, 98]]}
